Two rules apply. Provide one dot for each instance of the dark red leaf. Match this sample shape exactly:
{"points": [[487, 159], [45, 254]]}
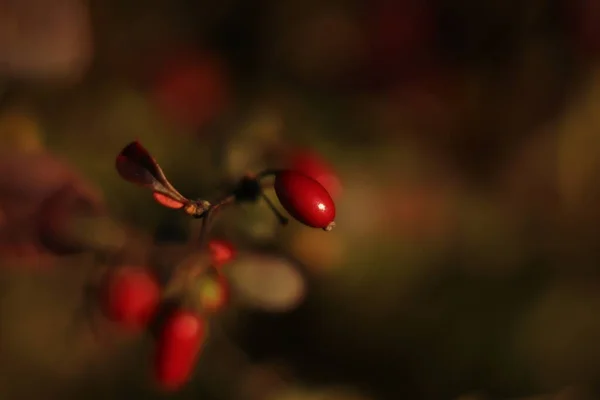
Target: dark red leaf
{"points": [[136, 165]]}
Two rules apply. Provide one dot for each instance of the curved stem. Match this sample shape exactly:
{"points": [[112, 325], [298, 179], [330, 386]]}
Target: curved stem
{"points": [[282, 219], [225, 201], [206, 221]]}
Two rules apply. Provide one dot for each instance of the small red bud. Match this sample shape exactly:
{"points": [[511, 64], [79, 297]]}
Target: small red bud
{"points": [[221, 252]]}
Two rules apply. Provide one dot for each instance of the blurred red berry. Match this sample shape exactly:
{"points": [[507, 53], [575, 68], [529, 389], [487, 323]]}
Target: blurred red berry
{"points": [[191, 89], [305, 199], [221, 252], [178, 348], [132, 296], [39, 191], [214, 292], [313, 165]]}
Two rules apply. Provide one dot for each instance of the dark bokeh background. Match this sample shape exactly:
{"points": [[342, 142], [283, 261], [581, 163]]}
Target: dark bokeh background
{"points": [[466, 136]]}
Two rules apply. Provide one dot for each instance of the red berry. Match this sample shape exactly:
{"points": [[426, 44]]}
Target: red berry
{"points": [[305, 199], [132, 297], [311, 164], [178, 348], [214, 292], [221, 252]]}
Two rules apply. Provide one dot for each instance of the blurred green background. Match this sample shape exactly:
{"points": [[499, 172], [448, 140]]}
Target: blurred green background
{"points": [[466, 136]]}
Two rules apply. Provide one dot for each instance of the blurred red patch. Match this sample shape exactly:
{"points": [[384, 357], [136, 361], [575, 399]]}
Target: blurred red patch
{"points": [[191, 89], [221, 252], [399, 32], [131, 297], [584, 20], [178, 348]]}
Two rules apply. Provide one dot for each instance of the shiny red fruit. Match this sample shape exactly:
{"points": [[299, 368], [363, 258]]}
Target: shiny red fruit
{"points": [[221, 252], [178, 348], [132, 296], [311, 164], [305, 199]]}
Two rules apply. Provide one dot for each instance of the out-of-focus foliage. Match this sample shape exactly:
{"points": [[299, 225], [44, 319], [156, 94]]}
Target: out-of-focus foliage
{"points": [[465, 135]]}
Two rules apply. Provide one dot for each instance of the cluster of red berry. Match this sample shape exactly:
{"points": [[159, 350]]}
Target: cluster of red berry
{"points": [[131, 297], [134, 298]]}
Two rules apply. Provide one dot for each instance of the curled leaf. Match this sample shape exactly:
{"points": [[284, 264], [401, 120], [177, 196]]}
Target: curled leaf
{"points": [[135, 164]]}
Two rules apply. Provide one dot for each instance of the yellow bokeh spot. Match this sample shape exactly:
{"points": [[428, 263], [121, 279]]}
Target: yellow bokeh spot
{"points": [[19, 131], [210, 290]]}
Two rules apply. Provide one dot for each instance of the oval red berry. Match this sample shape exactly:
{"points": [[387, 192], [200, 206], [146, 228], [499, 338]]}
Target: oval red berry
{"points": [[221, 252], [132, 297], [178, 348], [305, 199]]}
